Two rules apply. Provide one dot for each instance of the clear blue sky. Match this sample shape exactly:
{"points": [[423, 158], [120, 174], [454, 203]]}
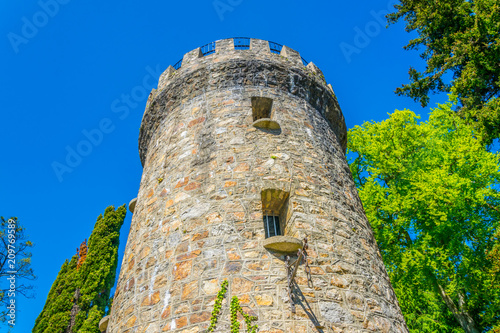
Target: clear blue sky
{"points": [[62, 73]]}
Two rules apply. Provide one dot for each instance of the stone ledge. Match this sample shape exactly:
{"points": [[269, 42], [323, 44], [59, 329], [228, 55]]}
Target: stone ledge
{"points": [[283, 244], [103, 324], [131, 205], [266, 123]]}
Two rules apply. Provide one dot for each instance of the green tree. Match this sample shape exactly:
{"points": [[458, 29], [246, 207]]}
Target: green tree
{"points": [[493, 275], [15, 261], [462, 38], [431, 193], [80, 295], [56, 314]]}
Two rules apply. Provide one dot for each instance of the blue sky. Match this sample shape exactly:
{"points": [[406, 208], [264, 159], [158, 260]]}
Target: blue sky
{"points": [[66, 68]]}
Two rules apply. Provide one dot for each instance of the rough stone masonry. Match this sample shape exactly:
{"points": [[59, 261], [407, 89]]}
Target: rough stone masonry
{"points": [[229, 140]]}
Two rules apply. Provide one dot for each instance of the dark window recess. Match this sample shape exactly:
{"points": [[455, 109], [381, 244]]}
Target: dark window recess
{"points": [[272, 226], [261, 107]]}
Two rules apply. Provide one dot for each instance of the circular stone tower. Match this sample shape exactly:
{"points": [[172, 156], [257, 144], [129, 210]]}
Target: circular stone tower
{"points": [[243, 151]]}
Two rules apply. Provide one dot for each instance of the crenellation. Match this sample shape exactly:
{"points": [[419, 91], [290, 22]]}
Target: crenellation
{"points": [[260, 46], [224, 46], [165, 77], [291, 55], [192, 56], [314, 69], [331, 88]]}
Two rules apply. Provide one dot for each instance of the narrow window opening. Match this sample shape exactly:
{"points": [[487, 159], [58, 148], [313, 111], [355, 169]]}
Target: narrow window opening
{"points": [[261, 107], [272, 225], [275, 212]]}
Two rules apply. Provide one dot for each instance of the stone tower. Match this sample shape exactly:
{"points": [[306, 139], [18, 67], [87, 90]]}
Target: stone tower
{"points": [[243, 148]]}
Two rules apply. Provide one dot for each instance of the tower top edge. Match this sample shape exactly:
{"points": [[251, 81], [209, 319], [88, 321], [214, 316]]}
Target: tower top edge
{"points": [[240, 48], [227, 45]]}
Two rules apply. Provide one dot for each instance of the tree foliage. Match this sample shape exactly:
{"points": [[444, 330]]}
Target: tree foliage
{"points": [[493, 278], [462, 38], [15, 260], [431, 193], [80, 295], [56, 313]]}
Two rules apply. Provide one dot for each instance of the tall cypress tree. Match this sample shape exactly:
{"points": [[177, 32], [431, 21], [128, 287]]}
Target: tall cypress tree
{"points": [[56, 312], [79, 296]]}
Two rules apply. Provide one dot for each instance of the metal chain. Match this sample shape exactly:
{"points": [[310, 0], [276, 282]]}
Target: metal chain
{"points": [[291, 270], [307, 268]]}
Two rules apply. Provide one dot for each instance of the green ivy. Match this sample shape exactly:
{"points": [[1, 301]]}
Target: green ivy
{"points": [[235, 325], [235, 307], [217, 306]]}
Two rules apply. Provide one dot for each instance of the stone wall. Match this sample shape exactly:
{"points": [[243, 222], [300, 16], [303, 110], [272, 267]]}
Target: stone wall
{"points": [[199, 216]]}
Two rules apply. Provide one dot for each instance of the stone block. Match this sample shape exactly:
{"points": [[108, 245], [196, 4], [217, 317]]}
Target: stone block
{"points": [[260, 46]]}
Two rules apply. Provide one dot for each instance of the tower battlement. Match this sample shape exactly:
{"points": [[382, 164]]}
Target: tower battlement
{"points": [[234, 48], [219, 65]]}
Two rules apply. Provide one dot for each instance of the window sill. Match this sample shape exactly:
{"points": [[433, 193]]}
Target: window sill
{"points": [[266, 123], [283, 244]]}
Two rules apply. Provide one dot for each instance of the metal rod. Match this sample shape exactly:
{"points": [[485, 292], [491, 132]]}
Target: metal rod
{"points": [[267, 226], [297, 263], [289, 278], [275, 226]]}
